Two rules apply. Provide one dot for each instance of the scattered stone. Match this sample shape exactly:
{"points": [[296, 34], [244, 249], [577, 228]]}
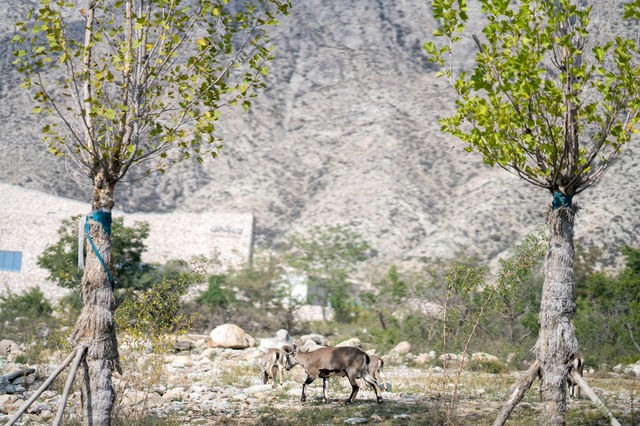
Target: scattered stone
{"points": [[450, 357], [317, 338], [483, 356], [181, 345], [209, 353], [7, 346], [229, 336], [376, 418], [355, 420], [45, 416], [401, 348], [354, 342], [424, 358], [7, 403], [401, 417], [633, 369], [310, 345]]}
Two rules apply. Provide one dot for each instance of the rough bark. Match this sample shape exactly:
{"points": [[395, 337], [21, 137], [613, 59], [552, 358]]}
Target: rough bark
{"points": [[557, 342], [96, 326]]}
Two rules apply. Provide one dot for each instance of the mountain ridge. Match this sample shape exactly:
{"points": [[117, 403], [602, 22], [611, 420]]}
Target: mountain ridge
{"points": [[346, 133]]}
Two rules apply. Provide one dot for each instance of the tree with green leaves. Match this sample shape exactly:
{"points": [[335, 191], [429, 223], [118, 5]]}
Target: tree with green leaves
{"points": [[326, 256], [127, 243], [552, 101], [144, 87]]}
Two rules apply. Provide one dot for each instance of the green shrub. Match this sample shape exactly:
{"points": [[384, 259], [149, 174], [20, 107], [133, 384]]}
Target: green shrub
{"points": [[29, 304], [487, 366], [32, 307], [215, 296]]}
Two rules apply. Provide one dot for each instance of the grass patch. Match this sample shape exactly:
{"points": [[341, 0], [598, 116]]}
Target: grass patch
{"points": [[336, 412]]}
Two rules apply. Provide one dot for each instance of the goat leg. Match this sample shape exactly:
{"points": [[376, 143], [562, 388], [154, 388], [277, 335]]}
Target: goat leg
{"points": [[304, 385], [354, 387], [324, 389]]}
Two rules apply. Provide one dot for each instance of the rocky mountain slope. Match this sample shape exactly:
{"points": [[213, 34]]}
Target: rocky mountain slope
{"points": [[347, 133]]}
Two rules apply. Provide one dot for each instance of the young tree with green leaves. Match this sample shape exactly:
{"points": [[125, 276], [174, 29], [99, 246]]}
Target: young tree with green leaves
{"points": [[127, 243], [326, 256], [552, 103], [145, 85]]}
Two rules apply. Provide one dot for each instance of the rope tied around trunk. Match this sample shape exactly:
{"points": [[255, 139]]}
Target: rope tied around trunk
{"points": [[104, 219], [561, 200]]}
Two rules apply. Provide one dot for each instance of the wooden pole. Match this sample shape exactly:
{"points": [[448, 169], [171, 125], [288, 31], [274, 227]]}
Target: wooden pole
{"points": [[593, 397], [518, 392], [67, 386], [41, 389]]}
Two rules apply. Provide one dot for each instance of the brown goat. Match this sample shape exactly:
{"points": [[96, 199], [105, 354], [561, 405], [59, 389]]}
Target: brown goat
{"points": [[578, 365], [376, 364], [271, 364], [326, 362]]}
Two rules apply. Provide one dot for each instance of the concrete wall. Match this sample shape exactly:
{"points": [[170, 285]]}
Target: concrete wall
{"points": [[29, 221]]}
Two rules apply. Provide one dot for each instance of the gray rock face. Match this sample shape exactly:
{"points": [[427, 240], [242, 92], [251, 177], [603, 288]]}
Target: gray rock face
{"points": [[347, 133]]}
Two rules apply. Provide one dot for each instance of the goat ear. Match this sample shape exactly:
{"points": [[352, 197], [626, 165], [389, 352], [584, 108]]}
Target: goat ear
{"points": [[295, 348], [287, 349]]}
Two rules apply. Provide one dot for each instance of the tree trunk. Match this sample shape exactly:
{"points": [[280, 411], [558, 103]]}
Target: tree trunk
{"points": [[95, 324], [557, 342]]}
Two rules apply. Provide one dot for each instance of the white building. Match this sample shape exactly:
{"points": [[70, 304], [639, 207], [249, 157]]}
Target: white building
{"points": [[29, 221]]}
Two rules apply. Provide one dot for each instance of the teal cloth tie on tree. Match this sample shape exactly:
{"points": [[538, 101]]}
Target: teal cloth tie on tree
{"points": [[104, 219], [560, 200]]}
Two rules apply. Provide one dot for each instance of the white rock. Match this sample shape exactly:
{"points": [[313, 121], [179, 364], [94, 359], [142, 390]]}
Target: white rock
{"points": [[483, 356], [424, 358], [354, 341], [449, 357], [316, 338], [229, 336], [633, 369], [401, 348], [310, 345], [208, 353]]}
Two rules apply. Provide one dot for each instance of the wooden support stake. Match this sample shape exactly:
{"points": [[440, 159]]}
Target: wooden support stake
{"points": [[521, 387], [41, 389], [67, 386], [593, 397]]}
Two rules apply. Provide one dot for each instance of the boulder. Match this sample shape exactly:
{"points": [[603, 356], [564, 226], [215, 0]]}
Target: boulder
{"points": [[483, 356], [310, 345], [229, 336], [450, 357], [424, 358], [317, 338], [401, 348], [633, 369], [354, 341]]}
